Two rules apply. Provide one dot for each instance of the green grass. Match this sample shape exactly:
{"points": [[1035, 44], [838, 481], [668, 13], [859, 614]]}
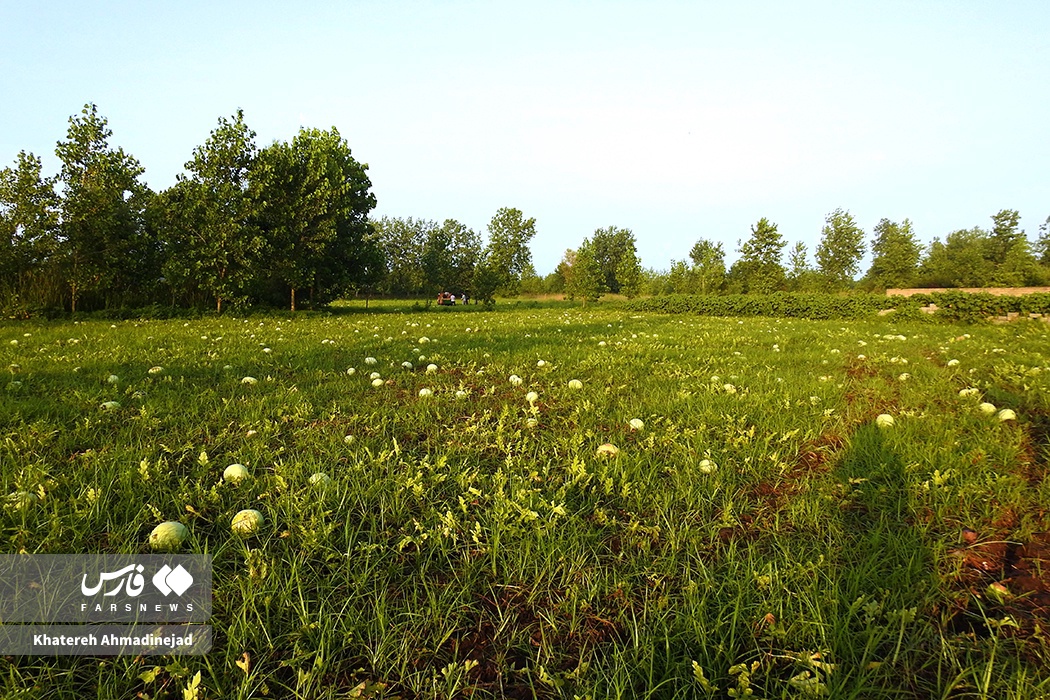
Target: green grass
{"points": [[463, 551]]}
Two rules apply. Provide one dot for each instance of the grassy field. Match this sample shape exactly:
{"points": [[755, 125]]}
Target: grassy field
{"points": [[759, 532]]}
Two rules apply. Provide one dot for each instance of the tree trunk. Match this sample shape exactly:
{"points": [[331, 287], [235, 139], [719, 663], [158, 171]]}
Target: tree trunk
{"points": [[293, 298], [218, 305]]}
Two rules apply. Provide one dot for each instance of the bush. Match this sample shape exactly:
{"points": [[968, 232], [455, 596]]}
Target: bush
{"points": [[780, 304], [952, 305]]}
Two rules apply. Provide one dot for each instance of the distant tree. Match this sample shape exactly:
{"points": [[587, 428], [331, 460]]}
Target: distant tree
{"points": [[553, 283], [588, 279], [629, 275], [616, 254], [840, 250], [106, 247], [800, 276], [402, 242], [709, 265], [1042, 246], [436, 259], [466, 252], [678, 279], [531, 283], [28, 244], [212, 237], [1005, 234], [1018, 268], [177, 218], [312, 201], [957, 262], [507, 252], [895, 256], [486, 281], [759, 269], [652, 282], [563, 271]]}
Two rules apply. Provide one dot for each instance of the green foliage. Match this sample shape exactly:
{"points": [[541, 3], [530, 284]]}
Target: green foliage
{"points": [[311, 200], [759, 269], [1042, 246], [107, 252], [800, 276], [464, 253], [28, 242], [709, 266], [507, 252], [629, 276], [840, 250], [587, 279], [402, 241], [212, 237], [486, 280], [614, 251], [1001, 257], [779, 304], [895, 256], [952, 305], [1004, 236], [957, 262]]}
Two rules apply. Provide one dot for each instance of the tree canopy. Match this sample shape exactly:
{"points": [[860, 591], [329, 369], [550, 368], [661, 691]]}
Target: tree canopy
{"points": [[759, 269]]}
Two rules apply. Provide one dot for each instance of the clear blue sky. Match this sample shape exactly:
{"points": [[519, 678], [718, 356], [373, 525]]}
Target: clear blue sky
{"points": [[678, 120]]}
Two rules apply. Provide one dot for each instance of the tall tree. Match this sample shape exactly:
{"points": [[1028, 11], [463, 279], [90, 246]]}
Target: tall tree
{"points": [[486, 280], [1005, 234], [436, 259], [709, 265], [895, 255], [759, 270], [840, 250], [466, 252], [800, 276], [615, 251], [1042, 246], [679, 279], [213, 238], [587, 279], [563, 272], [105, 244], [1018, 268], [507, 252], [311, 201], [402, 242], [629, 275], [28, 226]]}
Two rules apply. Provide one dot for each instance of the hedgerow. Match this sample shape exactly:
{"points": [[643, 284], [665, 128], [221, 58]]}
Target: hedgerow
{"points": [[955, 306]]}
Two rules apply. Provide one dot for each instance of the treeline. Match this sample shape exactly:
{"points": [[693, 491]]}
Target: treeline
{"points": [[240, 225], [289, 224], [282, 225], [1001, 256], [423, 257]]}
